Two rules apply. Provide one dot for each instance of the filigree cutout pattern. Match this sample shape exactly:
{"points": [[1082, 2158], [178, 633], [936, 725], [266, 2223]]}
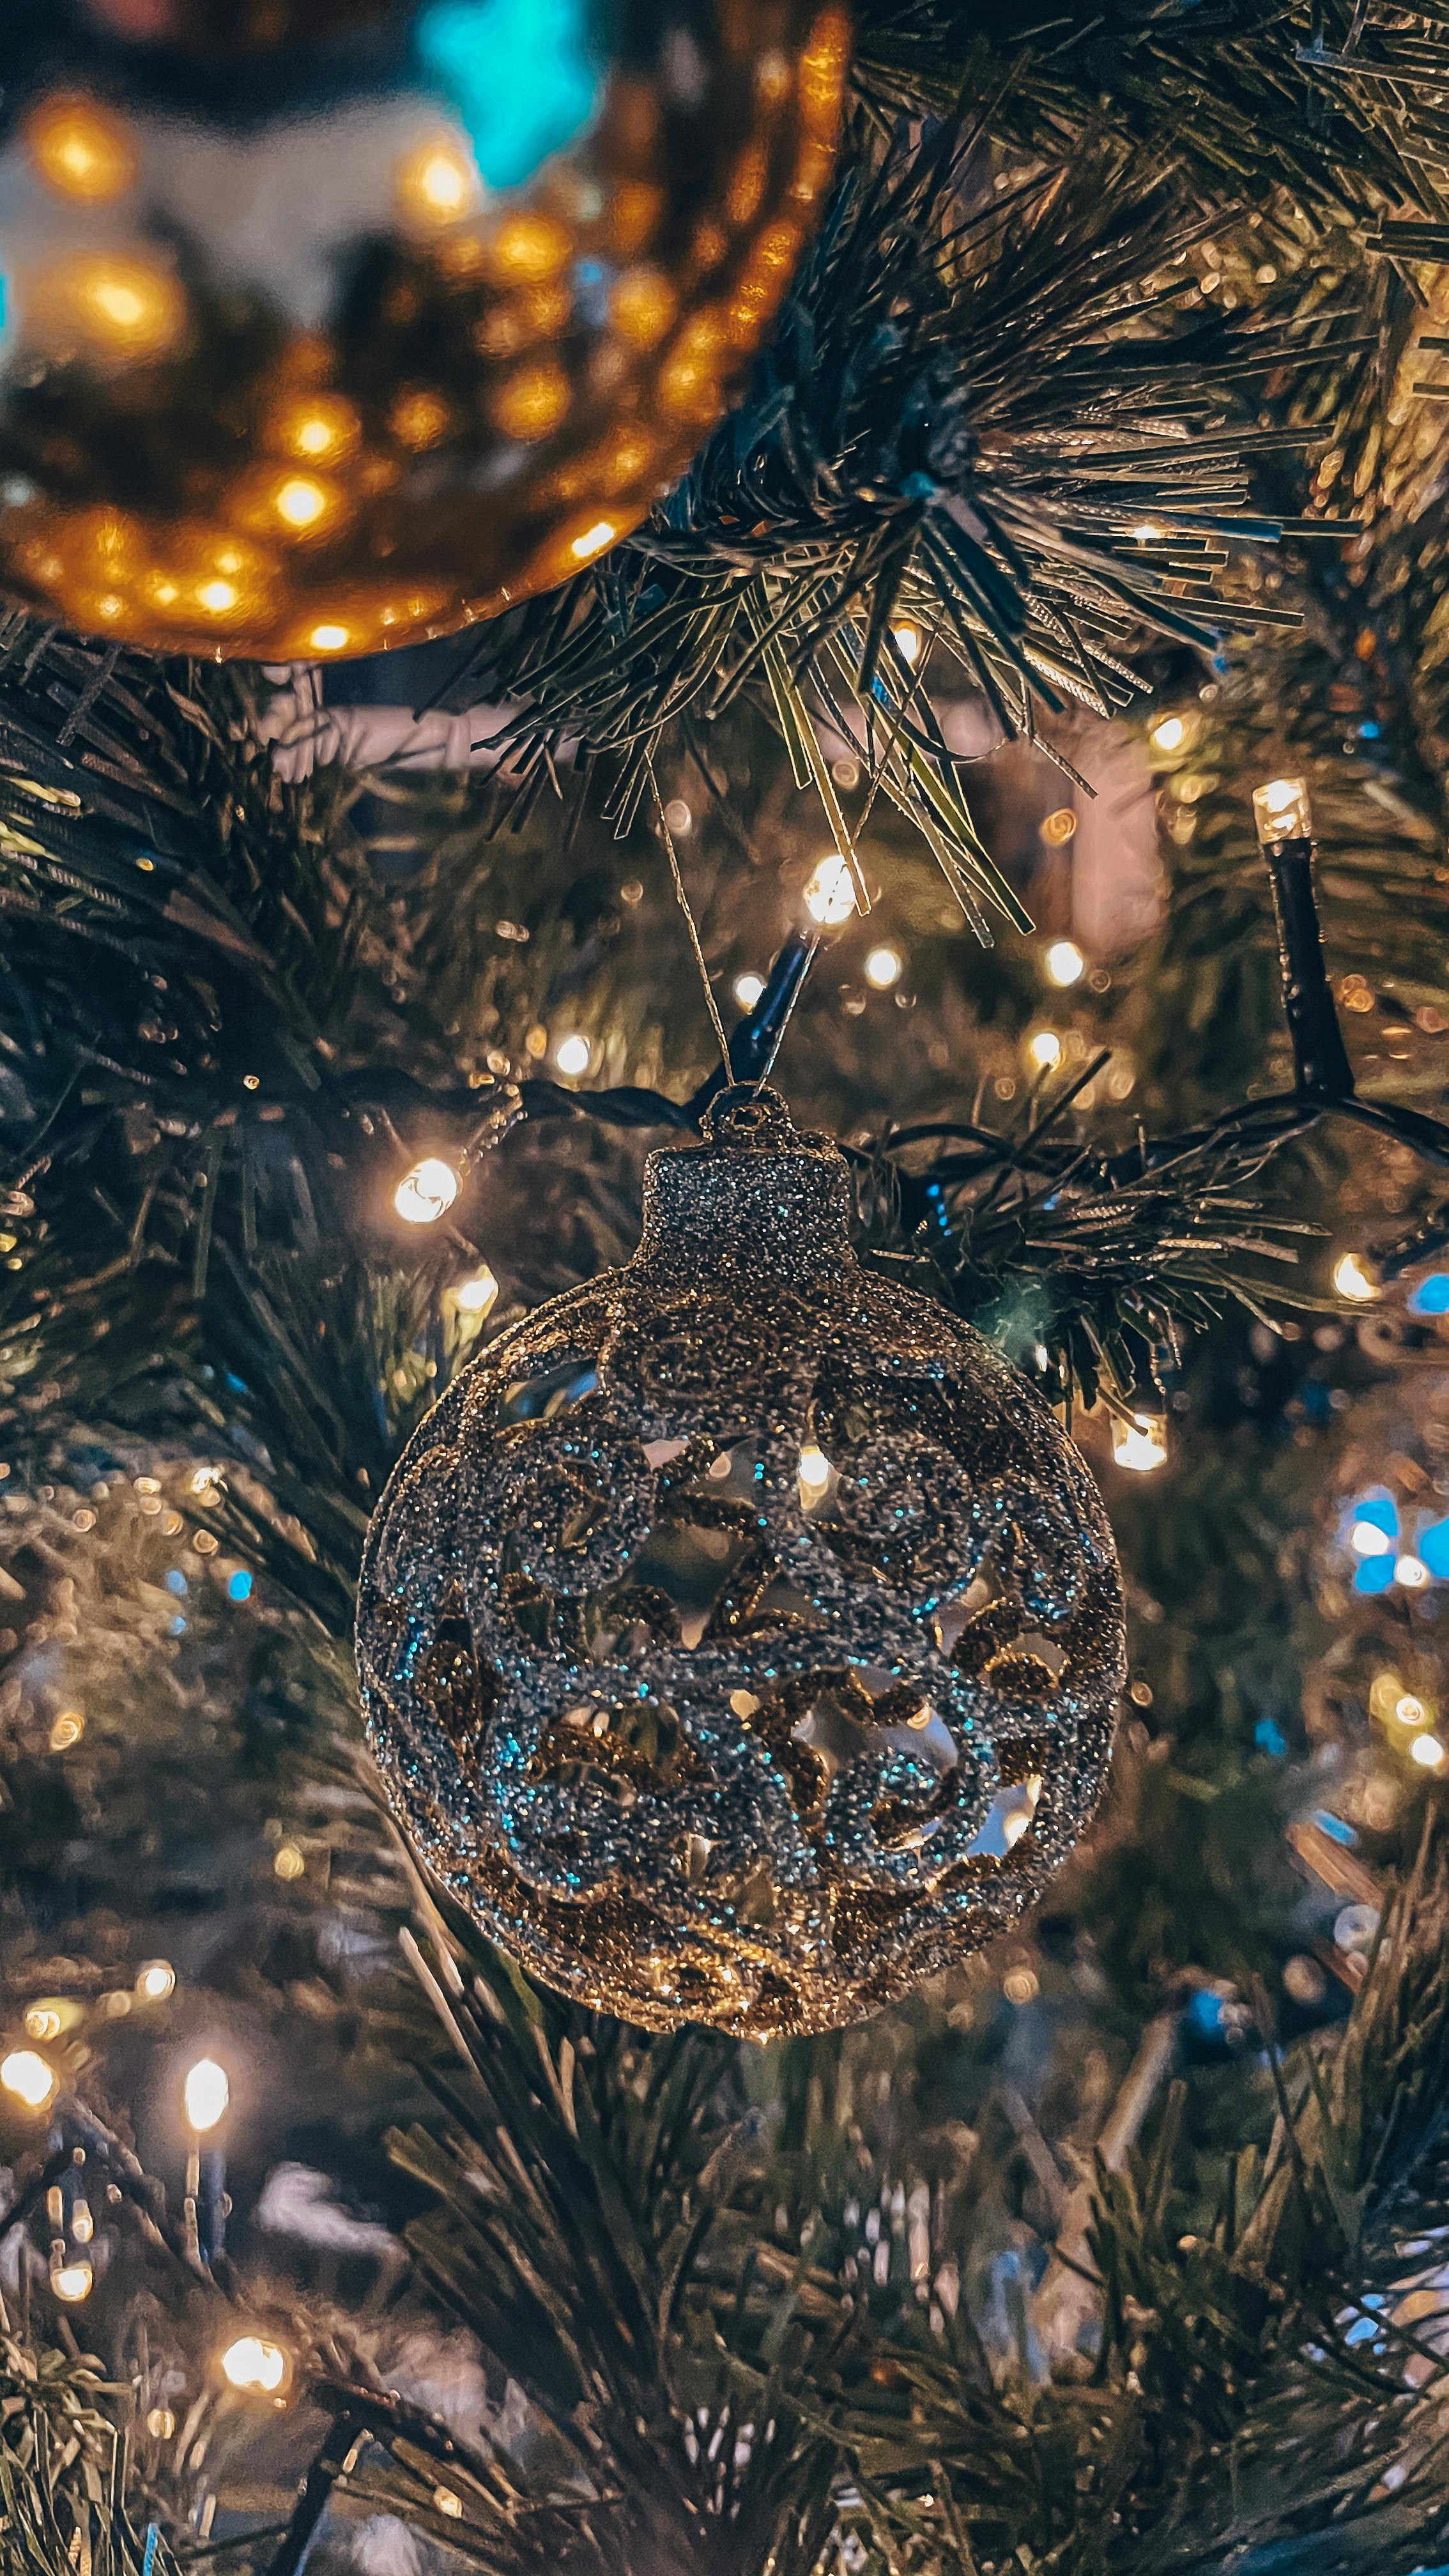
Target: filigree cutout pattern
{"points": [[740, 1637]]}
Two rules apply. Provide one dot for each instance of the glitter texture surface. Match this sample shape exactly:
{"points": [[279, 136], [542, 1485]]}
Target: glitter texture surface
{"points": [[740, 1637]]}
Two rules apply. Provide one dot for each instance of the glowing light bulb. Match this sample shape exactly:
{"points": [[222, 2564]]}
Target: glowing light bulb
{"points": [[155, 1980], [908, 642], [72, 2282], [1427, 1751], [830, 892], [426, 1192], [216, 597], [27, 2076], [1044, 1049], [747, 990], [330, 639], [1412, 1572], [437, 183], [476, 1296], [1409, 1709], [43, 2021], [1353, 1279], [80, 150], [1064, 962], [573, 1055], [66, 1730], [289, 1863], [299, 502], [445, 2502], [884, 967], [206, 2093], [594, 540], [1367, 1539], [1146, 530], [1168, 734], [82, 2225], [1282, 811], [814, 1474], [1139, 1443], [160, 2423], [255, 2364]]}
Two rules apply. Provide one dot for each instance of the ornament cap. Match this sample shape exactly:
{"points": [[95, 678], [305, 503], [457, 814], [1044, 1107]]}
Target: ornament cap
{"points": [[755, 1191]]}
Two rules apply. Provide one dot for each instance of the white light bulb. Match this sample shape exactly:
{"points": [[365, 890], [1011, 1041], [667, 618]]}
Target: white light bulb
{"points": [[830, 892], [1064, 962], [814, 1473], [747, 990], [207, 2093], [1367, 1539], [426, 1192], [1168, 734], [1044, 1049], [573, 1054], [1354, 1280], [1409, 1709], [1412, 1572], [156, 1980], [256, 2364], [477, 1295], [1427, 1751], [1140, 1443], [883, 967], [27, 2076], [908, 643], [72, 2282]]}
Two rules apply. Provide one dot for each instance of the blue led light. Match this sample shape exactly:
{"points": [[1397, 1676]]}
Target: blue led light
{"points": [[520, 74], [1373, 1574], [1268, 1735], [176, 1580], [1431, 1297], [239, 1585], [1433, 1547]]}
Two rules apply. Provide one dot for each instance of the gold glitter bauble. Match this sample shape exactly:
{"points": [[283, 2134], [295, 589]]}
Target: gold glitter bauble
{"points": [[333, 328], [740, 1637]]}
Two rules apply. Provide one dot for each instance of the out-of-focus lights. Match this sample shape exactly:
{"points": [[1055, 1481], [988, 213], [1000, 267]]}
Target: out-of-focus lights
{"points": [[1064, 962], [830, 892], [426, 1192], [908, 642], [1412, 1572], [1282, 811], [44, 2021], [160, 2423], [329, 638], [1367, 1539], [884, 967], [1168, 734], [1353, 1279], [1146, 530], [66, 1730], [444, 2501], [594, 540], [288, 1862], [747, 990], [1427, 1751], [1139, 1442], [437, 183], [82, 2225], [255, 2364], [476, 1296], [573, 1055], [206, 2093], [300, 502], [28, 2078], [1044, 1049], [1431, 1296], [72, 2282], [1409, 1709], [155, 1980]]}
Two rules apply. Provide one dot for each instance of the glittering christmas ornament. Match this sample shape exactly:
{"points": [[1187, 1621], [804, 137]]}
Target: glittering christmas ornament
{"points": [[740, 1636], [330, 327]]}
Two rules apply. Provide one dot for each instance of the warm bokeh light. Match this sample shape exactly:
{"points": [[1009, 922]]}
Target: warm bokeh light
{"points": [[127, 309], [908, 642], [44, 2021], [72, 2282], [288, 1862], [1282, 812], [256, 2365], [318, 428], [1139, 1443], [475, 1297], [1064, 963], [573, 1055], [1168, 734], [1427, 1751], [883, 967], [747, 990], [1044, 1049], [830, 896], [426, 1192], [594, 540], [1367, 1539], [330, 638], [814, 1473], [301, 503], [1353, 1279], [27, 2078], [80, 149], [437, 183], [206, 2093], [1412, 1572], [155, 1980], [1409, 1709], [66, 1730]]}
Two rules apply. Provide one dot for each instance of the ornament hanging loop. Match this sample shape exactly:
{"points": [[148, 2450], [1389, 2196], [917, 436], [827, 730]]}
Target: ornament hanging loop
{"points": [[750, 1115]]}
